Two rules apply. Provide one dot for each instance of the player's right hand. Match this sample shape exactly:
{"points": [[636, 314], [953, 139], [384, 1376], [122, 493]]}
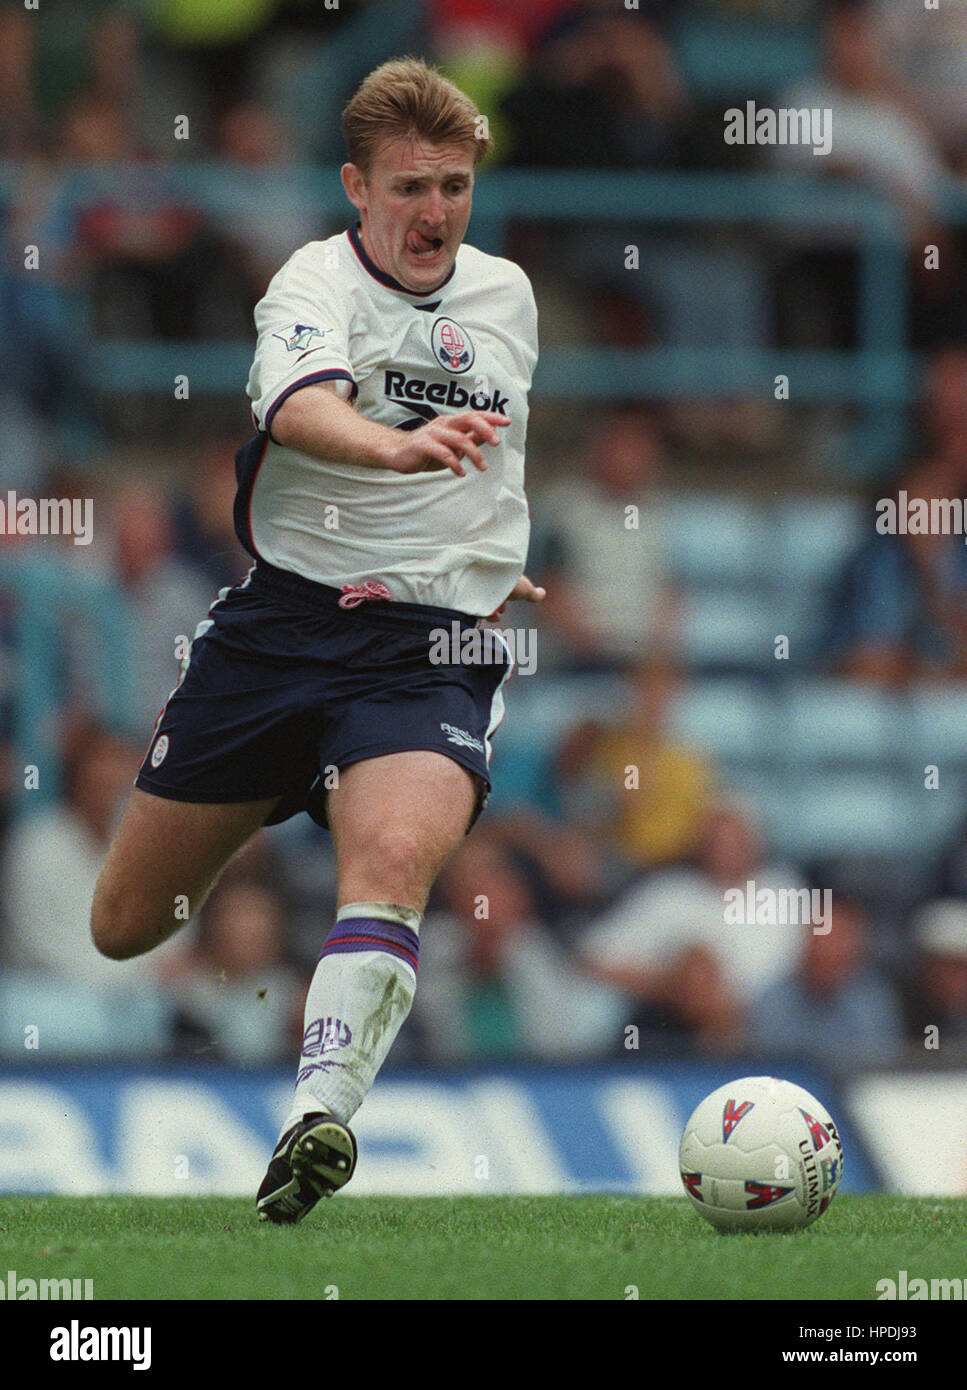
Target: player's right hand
{"points": [[446, 441]]}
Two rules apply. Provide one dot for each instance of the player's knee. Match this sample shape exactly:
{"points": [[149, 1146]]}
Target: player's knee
{"points": [[118, 926], [107, 931], [395, 865]]}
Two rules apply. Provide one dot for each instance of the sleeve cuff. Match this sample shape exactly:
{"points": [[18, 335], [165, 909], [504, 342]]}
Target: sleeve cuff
{"points": [[334, 374]]}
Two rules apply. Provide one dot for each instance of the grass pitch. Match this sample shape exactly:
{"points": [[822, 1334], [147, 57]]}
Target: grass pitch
{"points": [[591, 1247]]}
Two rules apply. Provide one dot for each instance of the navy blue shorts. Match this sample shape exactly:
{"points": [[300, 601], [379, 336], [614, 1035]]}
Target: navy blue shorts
{"points": [[282, 686]]}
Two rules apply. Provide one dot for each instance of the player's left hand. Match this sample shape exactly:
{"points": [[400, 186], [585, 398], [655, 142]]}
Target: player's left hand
{"points": [[525, 589]]}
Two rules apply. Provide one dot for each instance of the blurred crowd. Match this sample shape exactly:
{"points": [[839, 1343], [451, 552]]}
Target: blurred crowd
{"points": [[584, 916]]}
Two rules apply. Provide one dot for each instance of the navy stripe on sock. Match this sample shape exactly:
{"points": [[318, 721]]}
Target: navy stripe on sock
{"points": [[373, 934]]}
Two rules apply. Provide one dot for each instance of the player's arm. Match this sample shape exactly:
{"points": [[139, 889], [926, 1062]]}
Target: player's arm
{"points": [[317, 421]]}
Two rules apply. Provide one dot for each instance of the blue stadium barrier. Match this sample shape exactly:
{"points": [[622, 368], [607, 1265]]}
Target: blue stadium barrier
{"points": [[880, 377], [723, 59], [208, 1130]]}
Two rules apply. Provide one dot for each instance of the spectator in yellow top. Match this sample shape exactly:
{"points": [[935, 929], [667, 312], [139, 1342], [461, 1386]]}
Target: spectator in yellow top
{"points": [[632, 783]]}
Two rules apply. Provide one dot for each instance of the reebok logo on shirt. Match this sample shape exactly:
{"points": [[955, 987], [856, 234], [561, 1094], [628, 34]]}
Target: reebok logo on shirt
{"points": [[399, 387]]}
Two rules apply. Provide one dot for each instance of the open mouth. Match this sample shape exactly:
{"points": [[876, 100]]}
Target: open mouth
{"points": [[426, 247]]}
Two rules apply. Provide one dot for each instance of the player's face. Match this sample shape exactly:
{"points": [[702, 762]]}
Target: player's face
{"points": [[414, 208]]}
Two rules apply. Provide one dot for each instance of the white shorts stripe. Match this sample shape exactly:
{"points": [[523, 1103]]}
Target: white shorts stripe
{"points": [[497, 709]]}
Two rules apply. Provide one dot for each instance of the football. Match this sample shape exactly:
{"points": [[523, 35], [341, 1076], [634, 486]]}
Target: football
{"points": [[760, 1154]]}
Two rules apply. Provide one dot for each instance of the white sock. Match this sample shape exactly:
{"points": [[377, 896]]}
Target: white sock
{"points": [[358, 998]]}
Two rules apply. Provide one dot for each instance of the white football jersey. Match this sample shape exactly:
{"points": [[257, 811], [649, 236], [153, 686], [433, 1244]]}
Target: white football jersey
{"points": [[432, 538]]}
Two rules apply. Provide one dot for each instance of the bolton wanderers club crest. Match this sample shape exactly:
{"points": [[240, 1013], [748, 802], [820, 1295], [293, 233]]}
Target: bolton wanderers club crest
{"points": [[451, 346]]}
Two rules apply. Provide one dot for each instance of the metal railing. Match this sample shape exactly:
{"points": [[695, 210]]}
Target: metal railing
{"points": [[879, 378]]}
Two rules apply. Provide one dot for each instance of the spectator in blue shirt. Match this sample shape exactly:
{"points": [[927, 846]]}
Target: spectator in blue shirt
{"points": [[838, 1006]]}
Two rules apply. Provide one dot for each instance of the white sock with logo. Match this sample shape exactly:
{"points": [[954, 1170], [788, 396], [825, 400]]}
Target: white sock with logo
{"points": [[359, 996]]}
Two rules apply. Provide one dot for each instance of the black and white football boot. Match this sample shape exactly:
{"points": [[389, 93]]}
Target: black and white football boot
{"points": [[313, 1159]]}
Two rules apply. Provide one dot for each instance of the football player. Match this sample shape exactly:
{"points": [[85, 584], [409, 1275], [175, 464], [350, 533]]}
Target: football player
{"points": [[382, 500]]}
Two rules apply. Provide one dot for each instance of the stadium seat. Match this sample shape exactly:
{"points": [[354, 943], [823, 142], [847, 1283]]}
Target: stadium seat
{"points": [[814, 537], [716, 538], [521, 775], [79, 1020], [937, 727], [538, 716], [732, 720], [802, 615], [830, 721], [729, 631], [828, 813], [544, 709]]}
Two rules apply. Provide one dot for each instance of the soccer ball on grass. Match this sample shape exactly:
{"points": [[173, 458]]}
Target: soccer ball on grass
{"points": [[760, 1155]]}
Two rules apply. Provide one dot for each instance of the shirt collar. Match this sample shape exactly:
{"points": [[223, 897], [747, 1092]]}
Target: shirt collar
{"points": [[373, 269]]}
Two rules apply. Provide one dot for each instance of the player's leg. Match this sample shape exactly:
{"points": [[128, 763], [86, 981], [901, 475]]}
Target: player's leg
{"points": [[163, 861], [395, 820]]}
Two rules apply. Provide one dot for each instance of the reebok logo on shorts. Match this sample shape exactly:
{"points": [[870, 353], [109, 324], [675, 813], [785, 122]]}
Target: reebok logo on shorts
{"points": [[461, 738]]}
